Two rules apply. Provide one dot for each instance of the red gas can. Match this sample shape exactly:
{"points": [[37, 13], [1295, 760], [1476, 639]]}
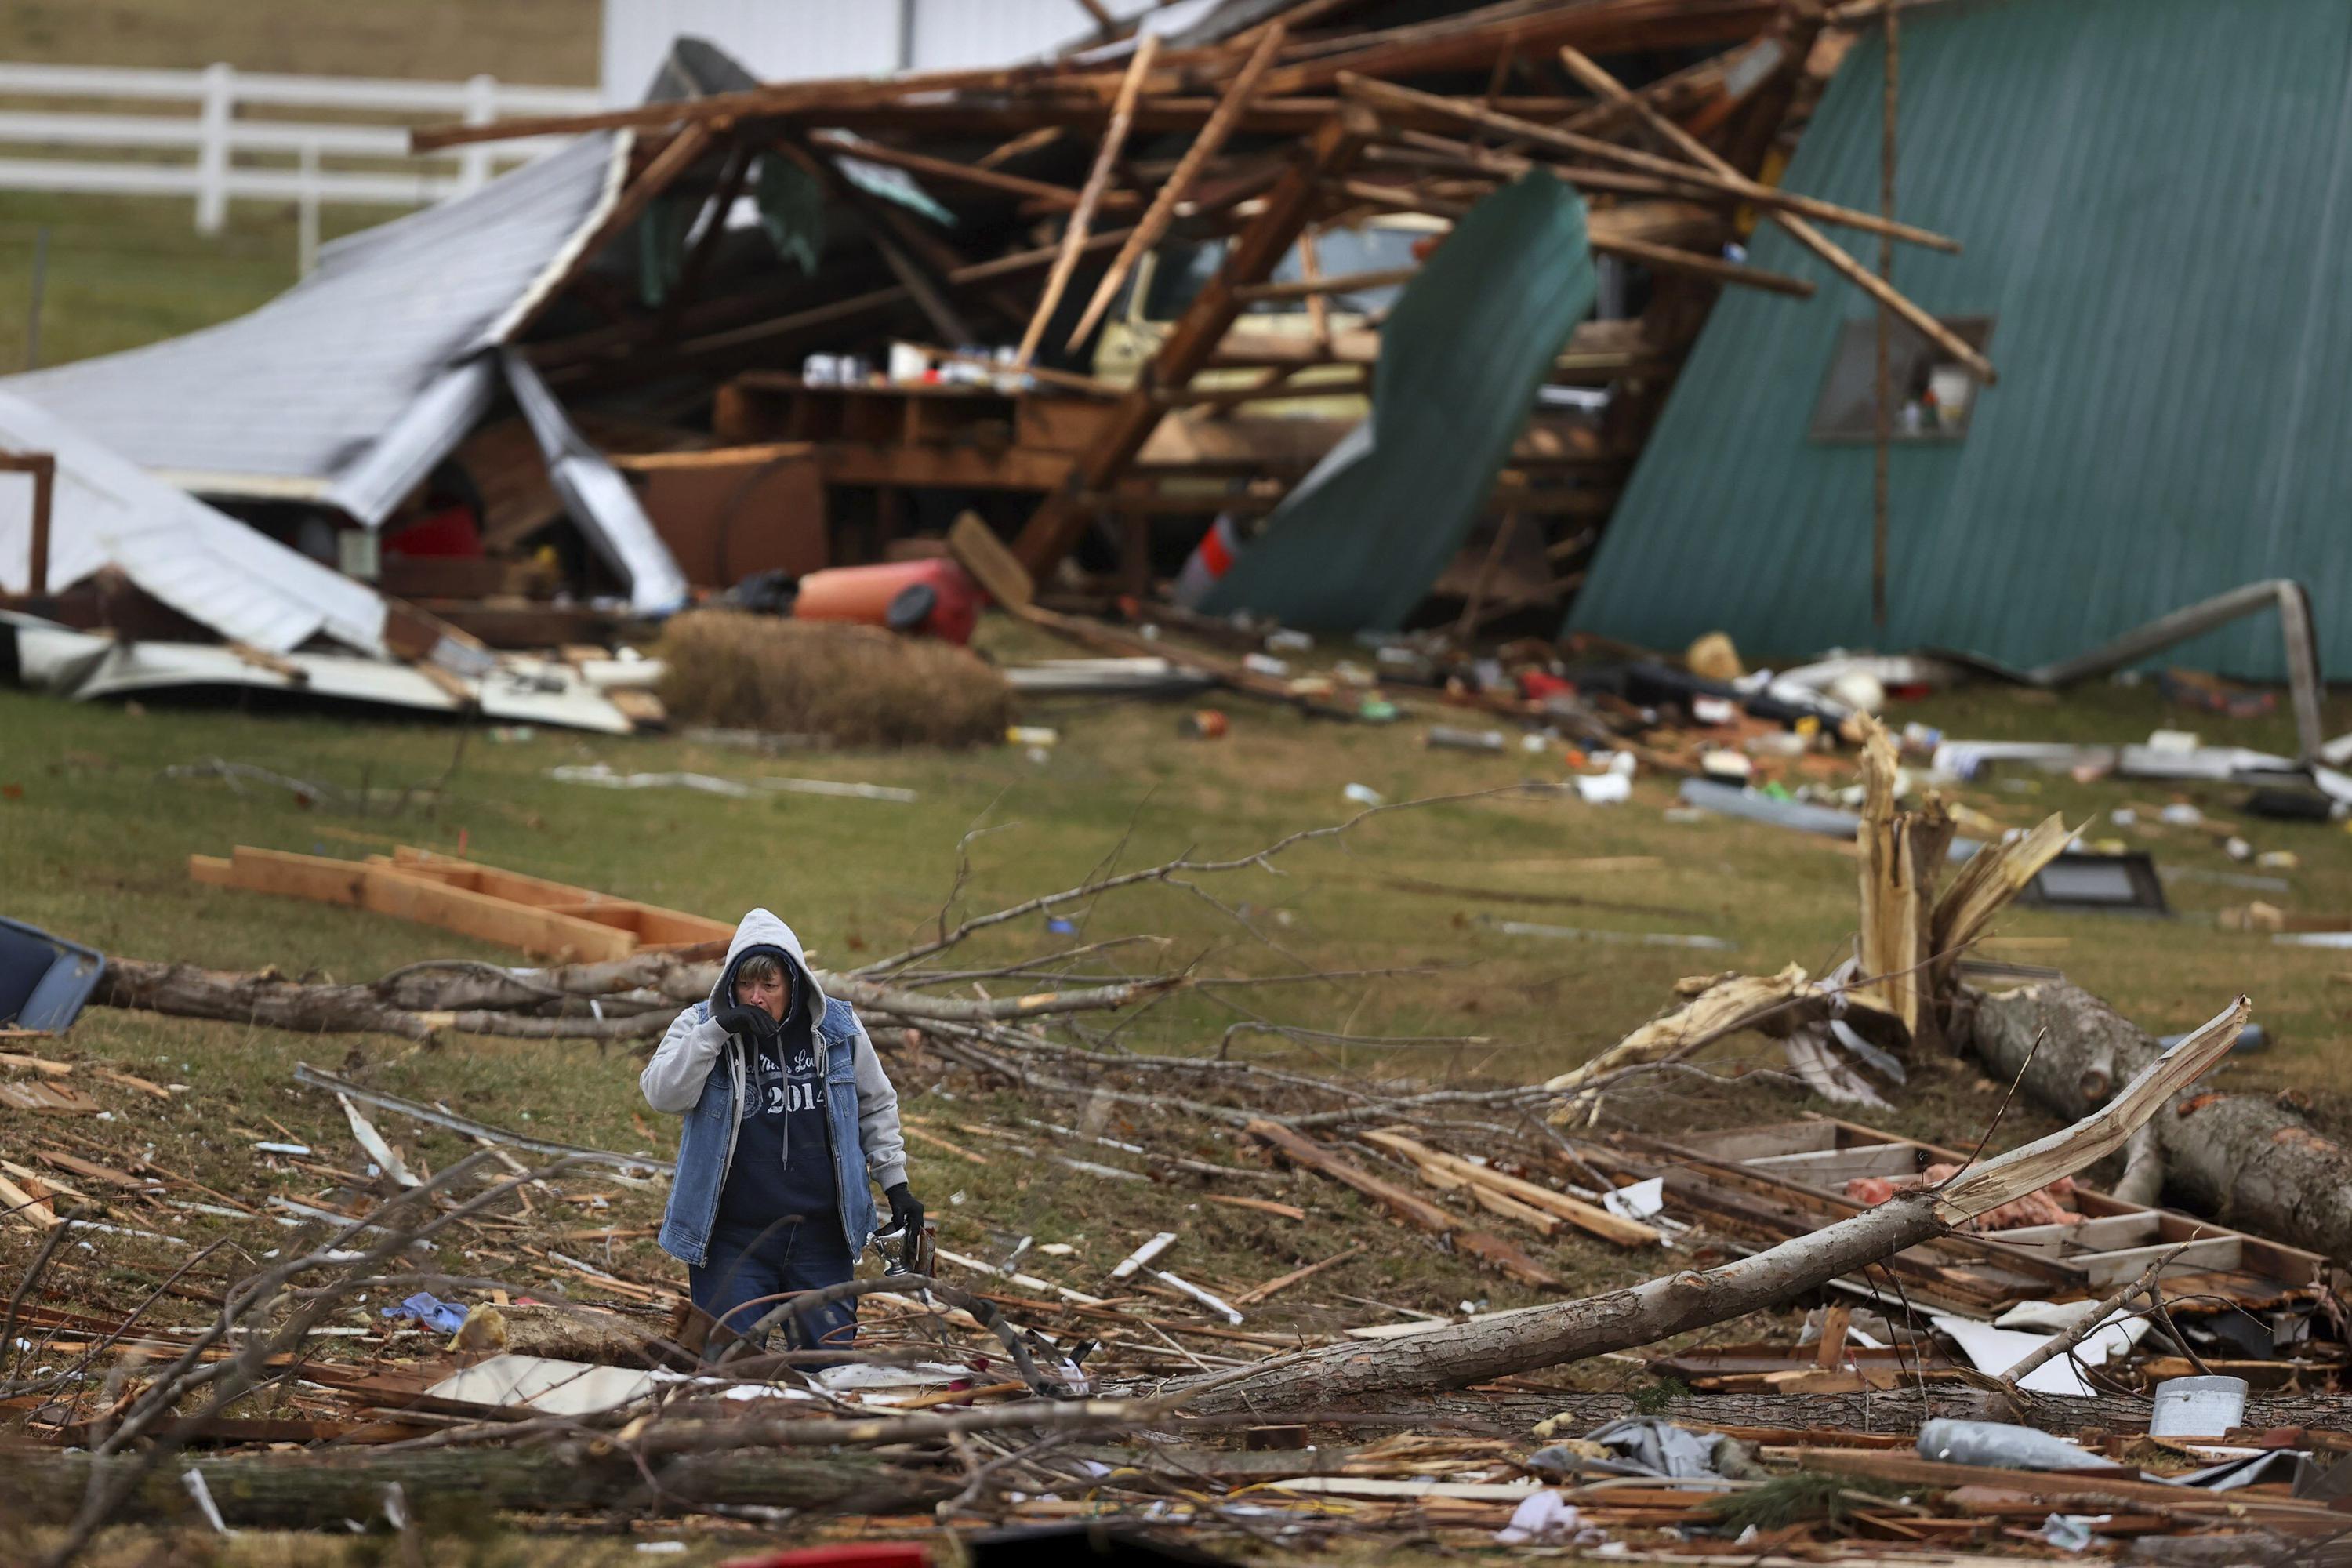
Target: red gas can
{"points": [[933, 597]]}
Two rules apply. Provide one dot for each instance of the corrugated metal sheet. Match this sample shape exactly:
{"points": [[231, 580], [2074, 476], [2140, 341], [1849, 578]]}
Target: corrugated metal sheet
{"points": [[799, 40], [208, 566], [304, 396], [1360, 541], [2153, 197]]}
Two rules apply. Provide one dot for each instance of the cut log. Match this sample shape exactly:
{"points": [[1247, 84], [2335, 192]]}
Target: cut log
{"points": [[286, 1491], [2245, 1160], [1460, 1354]]}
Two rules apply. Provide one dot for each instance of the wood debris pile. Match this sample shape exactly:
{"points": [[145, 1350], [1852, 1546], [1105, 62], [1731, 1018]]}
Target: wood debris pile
{"points": [[1105, 299]]}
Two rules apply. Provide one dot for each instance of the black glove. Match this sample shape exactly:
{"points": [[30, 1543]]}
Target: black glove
{"points": [[737, 1019], [906, 1218]]}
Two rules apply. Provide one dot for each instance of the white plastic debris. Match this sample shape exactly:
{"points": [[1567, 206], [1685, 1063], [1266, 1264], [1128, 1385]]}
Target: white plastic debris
{"points": [[1545, 1517], [1604, 789], [1641, 1201], [193, 1480]]}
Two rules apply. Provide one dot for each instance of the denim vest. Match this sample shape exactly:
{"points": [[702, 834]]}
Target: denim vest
{"points": [[707, 1142]]}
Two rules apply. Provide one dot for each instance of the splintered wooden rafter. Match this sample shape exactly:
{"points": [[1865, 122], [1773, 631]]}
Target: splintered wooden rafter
{"points": [[1788, 218], [1178, 186], [1063, 515], [1082, 217]]}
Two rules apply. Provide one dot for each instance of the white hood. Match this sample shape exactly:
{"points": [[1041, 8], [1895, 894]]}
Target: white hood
{"points": [[761, 928]]}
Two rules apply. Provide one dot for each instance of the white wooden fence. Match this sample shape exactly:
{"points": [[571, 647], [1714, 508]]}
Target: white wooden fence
{"points": [[103, 149]]}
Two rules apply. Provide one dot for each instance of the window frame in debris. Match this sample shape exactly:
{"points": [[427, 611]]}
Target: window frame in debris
{"points": [[1845, 410]]}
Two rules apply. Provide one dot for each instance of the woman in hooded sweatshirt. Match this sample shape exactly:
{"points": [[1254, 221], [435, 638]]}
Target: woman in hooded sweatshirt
{"points": [[789, 1117]]}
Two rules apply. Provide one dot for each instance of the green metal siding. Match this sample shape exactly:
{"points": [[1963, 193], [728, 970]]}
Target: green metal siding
{"points": [[2153, 198], [1358, 542]]}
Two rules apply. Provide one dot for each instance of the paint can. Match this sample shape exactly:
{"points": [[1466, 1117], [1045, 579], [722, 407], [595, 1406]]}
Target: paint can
{"points": [[1205, 724], [2198, 1406]]}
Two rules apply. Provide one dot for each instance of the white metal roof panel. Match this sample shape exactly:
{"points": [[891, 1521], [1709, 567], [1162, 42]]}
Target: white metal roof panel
{"points": [[309, 387], [207, 565]]}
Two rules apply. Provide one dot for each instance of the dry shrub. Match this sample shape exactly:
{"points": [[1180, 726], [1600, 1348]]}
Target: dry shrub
{"points": [[856, 685]]}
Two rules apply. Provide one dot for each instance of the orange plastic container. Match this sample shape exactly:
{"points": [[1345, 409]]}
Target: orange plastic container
{"points": [[931, 598]]}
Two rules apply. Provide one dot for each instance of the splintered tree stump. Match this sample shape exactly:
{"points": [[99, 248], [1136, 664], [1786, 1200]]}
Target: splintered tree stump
{"points": [[2245, 1160]]}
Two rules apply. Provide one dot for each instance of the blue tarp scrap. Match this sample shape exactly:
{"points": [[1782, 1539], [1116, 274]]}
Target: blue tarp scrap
{"points": [[446, 1317]]}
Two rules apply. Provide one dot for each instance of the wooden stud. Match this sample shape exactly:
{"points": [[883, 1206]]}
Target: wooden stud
{"points": [[43, 467], [1714, 176], [1082, 216], [1797, 228], [1162, 210], [1056, 524]]}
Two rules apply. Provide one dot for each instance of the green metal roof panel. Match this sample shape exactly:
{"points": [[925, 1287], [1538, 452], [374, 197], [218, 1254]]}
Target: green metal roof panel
{"points": [[1362, 538], [2153, 197]]}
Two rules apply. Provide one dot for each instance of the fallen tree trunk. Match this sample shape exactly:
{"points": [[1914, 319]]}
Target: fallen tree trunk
{"points": [[2245, 1160], [182, 990], [466, 998], [301, 1492], [1897, 1411], [1461, 1354]]}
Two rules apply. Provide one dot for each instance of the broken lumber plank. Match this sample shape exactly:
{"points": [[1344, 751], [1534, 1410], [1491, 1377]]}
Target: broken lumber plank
{"points": [[1457, 1355], [1902, 856], [1142, 1254], [1301, 1150], [389, 890], [28, 1208], [655, 927], [1082, 216], [1284, 1283], [948, 169], [15, 1062], [1794, 226], [1262, 1205], [1286, 208], [1714, 176], [1496, 1202], [1590, 1217], [1173, 190], [913, 1130]]}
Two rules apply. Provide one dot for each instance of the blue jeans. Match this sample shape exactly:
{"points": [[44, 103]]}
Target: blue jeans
{"points": [[749, 1273]]}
